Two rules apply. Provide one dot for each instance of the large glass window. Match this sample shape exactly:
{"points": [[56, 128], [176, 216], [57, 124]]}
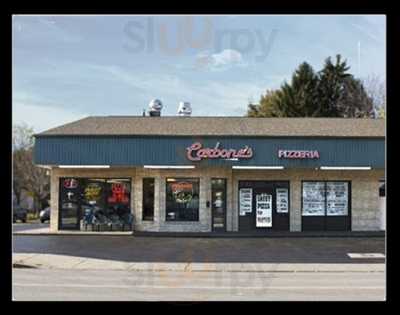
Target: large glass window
{"points": [[97, 204], [337, 202], [329, 198], [148, 199], [182, 199], [313, 198]]}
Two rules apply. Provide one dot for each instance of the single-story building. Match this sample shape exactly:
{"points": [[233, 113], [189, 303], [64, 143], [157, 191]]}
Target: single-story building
{"points": [[215, 174]]}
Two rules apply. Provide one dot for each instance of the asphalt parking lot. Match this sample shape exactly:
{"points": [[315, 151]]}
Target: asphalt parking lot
{"points": [[213, 250]]}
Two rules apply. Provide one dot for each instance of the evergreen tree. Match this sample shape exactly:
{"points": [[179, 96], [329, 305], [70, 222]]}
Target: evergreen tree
{"points": [[298, 98], [332, 92], [331, 86]]}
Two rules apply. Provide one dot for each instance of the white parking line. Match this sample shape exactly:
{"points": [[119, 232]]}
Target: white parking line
{"points": [[366, 255]]}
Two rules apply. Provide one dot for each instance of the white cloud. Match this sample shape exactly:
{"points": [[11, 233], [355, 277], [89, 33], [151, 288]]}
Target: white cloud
{"points": [[227, 56], [42, 118], [224, 59]]}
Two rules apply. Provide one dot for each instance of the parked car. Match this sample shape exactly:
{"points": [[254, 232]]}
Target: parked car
{"points": [[45, 215], [19, 213]]}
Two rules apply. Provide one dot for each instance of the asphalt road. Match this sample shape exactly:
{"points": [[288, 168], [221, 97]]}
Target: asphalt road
{"points": [[170, 249], [107, 285]]}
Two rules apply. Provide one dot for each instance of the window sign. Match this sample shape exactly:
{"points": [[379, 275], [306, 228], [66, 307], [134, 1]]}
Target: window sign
{"points": [[336, 198], [313, 198], [70, 183], [245, 200], [92, 193], [282, 200], [119, 193], [182, 199], [263, 210]]}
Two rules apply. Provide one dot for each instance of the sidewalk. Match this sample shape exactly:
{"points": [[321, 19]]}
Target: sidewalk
{"points": [[46, 231], [51, 261]]}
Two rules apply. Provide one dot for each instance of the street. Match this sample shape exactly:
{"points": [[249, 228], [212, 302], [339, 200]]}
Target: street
{"points": [[118, 285], [98, 267]]}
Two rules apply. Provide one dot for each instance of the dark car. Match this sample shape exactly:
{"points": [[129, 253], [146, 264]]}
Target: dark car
{"points": [[45, 215], [19, 213]]}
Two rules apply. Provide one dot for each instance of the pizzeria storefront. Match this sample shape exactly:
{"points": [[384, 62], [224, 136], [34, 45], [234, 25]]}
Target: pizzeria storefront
{"points": [[214, 174]]}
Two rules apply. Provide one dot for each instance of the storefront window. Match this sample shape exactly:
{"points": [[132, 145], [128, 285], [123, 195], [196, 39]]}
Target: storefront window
{"points": [[313, 198], [337, 198], [325, 198], [96, 204], [182, 199], [148, 199]]}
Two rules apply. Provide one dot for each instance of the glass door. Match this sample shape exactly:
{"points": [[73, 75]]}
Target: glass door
{"points": [[70, 191], [218, 200]]}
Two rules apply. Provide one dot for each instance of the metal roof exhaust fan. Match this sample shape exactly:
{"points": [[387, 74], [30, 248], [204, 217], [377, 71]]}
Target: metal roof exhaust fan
{"points": [[184, 109], [155, 107]]}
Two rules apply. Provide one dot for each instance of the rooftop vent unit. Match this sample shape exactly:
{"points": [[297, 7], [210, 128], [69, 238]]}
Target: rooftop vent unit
{"points": [[184, 109], [155, 107]]}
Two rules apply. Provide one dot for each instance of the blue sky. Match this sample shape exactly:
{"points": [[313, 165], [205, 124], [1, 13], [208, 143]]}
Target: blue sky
{"points": [[69, 67]]}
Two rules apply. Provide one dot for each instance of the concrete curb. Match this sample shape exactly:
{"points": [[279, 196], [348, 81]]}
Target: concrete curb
{"points": [[87, 233], [51, 261]]}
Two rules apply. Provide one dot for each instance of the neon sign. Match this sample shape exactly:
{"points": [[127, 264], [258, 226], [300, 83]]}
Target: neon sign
{"points": [[118, 194], [196, 152], [298, 154], [70, 183]]}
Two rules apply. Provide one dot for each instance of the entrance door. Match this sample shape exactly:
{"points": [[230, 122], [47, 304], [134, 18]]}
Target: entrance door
{"points": [[218, 208], [264, 206], [69, 215]]}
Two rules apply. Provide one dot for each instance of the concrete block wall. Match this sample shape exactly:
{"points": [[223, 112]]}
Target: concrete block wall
{"points": [[365, 206], [364, 184], [160, 224]]}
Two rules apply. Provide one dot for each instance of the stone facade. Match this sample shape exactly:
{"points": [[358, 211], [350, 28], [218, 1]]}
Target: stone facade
{"points": [[364, 194]]}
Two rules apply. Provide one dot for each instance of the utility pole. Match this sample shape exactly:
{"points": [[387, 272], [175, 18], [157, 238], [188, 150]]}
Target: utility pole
{"points": [[359, 59]]}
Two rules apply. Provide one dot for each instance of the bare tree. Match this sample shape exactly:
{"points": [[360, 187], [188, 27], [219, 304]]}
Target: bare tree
{"points": [[22, 136], [376, 89], [26, 175]]}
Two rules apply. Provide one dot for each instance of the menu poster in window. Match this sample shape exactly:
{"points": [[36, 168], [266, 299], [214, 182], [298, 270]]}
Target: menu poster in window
{"points": [[263, 210], [313, 198], [245, 200], [336, 198], [282, 200]]}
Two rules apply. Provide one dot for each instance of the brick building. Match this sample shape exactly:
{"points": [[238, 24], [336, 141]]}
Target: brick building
{"points": [[206, 174]]}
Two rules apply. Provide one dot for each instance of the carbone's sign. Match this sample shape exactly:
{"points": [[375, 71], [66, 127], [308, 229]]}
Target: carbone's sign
{"points": [[196, 152], [298, 154]]}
